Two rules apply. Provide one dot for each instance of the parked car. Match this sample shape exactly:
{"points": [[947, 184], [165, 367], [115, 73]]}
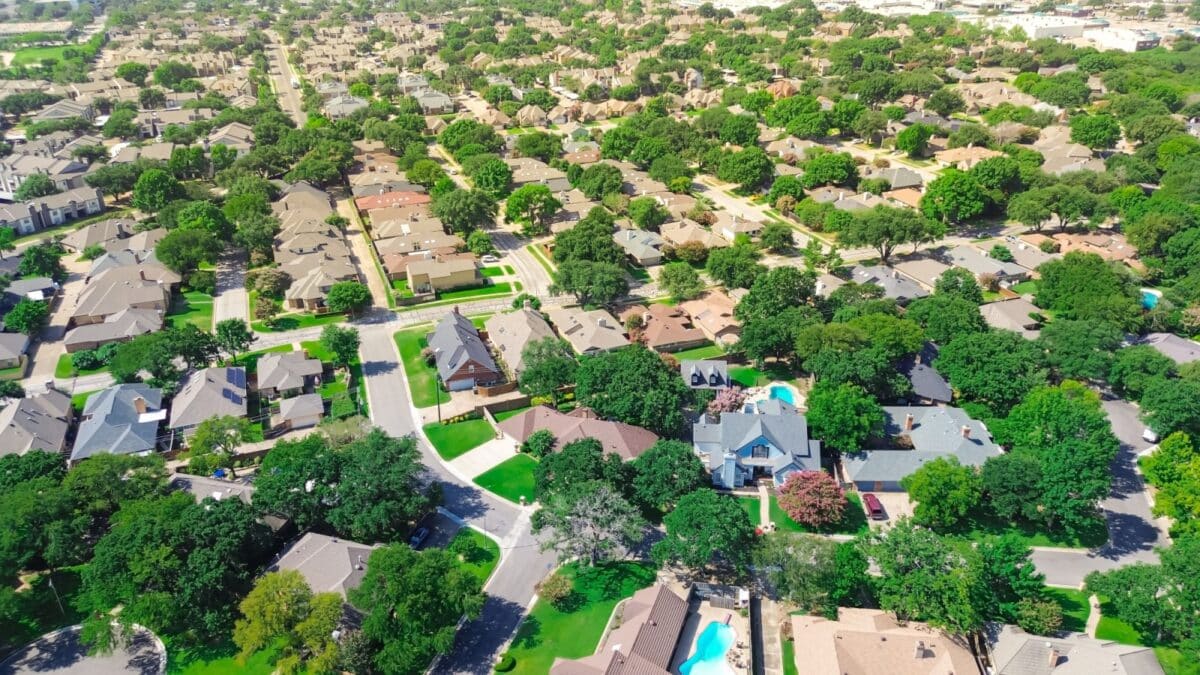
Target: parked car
{"points": [[489, 258], [1149, 436], [874, 507], [418, 537]]}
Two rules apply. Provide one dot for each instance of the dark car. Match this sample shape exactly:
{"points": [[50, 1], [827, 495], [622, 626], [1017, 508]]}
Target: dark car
{"points": [[418, 537], [874, 507]]}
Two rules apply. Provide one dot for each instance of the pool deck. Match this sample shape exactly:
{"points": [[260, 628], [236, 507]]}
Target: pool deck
{"points": [[700, 615]]}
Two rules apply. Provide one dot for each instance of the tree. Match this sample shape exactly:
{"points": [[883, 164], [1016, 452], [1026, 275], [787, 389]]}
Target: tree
{"points": [[43, 260], [749, 168], [493, 177], [800, 570], [234, 337], [540, 145], [869, 125], [185, 250], [664, 473], [739, 130], [923, 577], [669, 168], [843, 416], [546, 365], [735, 266], [348, 296], [532, 203], [281, 606], [409, 619], [681, 281], [1080, 350], [28, 316], [590, 239], [830, 168], [944, 490], [634, 386], [705, 528], [342, 343], [774, 291], [996, 368], [577, 463], [1133, 368], [540, 443], [1039, 617], [8, 238], [465, 210], [133, 72], [945, 101], [35, 185], [914, 139], [154, 189], [812, 498], [555, 589], [216, 441], [647, 213], [1007, 576], [425, 172], [1170, 405], [188, 162], [592, 283], [1084, 286], [998, 174], [202, 215], [1097, 132], [777, 237], [1012, 483], [591, 521], [598, 180], [958, 282], [953, 197], [884, 228]]}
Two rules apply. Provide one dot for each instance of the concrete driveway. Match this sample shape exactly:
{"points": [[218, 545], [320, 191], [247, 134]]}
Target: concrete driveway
{"points": [[61, 653], [231, 300]]}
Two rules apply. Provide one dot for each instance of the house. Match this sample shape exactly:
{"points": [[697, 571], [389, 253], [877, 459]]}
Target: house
{"points": [[531, 116], [390, 199], [64, 109], [122, 326], [99, 233], [299, 412], [665, 328], [120, 420], [914, 436], [642, 246], [434, 102], [873, 642], [462, 357], [1027, 255], [511, 333], [210, 392], [898, 178], [681, 232], [330, 89], [67, 174], [287, 373], [341, 107], [114, 290], [51, 210], [925, 271], [35, 423], [235, 136], [643, 643], [12, 349], [443, 273], [31, 288], [894, 285], [712, 313], [1015, 652], [928, 385], [705, 374], [965, 158], [980, 264], [328, 564], [766, 440], [1018, 315], [589, 332], [623, 440], [1180, 350]]}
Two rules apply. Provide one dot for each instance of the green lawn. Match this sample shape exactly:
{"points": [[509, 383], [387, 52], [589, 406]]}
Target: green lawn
{"points": [[219, 660], [192, 307], [503, 288], [753, 508], [1112, 628], [501, 416], [423, 382], [1174, 662], [748, 376], [33, 56], [401, 288], [574, 630], [980, 525], [39, 611], [1074, 606], [854, 519], [64, 369], [536, 252], [484, 556], [1025, 287], [454, 440], [79, 400], [338, 385], [493, 271], [638, 273], [789, 656], [16, 372], [294, 321], [511, 479], [709, 351]]}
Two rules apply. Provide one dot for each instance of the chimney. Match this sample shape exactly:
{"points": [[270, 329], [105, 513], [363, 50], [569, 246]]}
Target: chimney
{"points": [[456, 310], [142, 274], [908, 422], [1052, 658], [527, 305], [139, 404], [919, 650], [966, 431]]}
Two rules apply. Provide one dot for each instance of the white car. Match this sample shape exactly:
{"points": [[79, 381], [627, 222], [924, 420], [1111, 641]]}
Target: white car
{"points": [[490, 259]]}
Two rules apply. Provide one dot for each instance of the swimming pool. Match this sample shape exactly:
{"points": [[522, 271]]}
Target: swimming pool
{"points": [[711, 647], [782, 392], [1150, 298]]}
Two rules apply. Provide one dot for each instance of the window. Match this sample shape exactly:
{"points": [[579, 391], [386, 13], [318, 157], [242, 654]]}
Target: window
{"points": [[760, 452]]}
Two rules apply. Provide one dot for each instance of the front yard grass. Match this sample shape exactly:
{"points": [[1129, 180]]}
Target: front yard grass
{"points": [[1025, 287], [574, 629], [536, 252], [708, 351], [295, 321], [977, 526], [854, 519], [483, 556], [1174, 662], [423, 382], [503, 288], [752, 507], [220, 659], [511, 479], [455, 440], [1075, 607], [65, 368], [192, 307], [492, 271]]}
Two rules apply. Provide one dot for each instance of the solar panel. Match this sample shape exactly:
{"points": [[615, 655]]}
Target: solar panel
{"points": [[238, 377], [237, 400]]}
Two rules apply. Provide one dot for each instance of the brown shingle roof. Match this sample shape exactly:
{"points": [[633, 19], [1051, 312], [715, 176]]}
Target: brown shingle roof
{"points": [[624, 440]]}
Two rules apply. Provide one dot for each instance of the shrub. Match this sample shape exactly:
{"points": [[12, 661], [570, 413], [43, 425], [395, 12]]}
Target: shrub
{"points": [[342, 407], [506, 663], [203, 281], [86, 360], [555, 588], [812, 498], [540, 443], [1040, 617], [1049, 246], [92, 252]]}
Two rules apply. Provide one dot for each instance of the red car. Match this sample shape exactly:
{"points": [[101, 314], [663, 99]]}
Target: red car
{"points": [[874, 507]]}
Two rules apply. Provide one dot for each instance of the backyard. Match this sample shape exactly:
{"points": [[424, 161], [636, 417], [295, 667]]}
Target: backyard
{"points": [[708, 351], [66, 368], [574, 629], [748, 376], [454, 440], [338, 386], [511, 479], [423, 382]]}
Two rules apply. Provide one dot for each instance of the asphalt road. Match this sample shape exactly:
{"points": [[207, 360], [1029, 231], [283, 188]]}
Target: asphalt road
{"points": [[1132, 530], [523, 564], [281, 78], [62, 653]]}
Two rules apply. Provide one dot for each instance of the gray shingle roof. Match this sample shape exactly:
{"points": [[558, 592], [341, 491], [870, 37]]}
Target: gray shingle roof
{"points": [[784, 430], [112, 424], [210, 392], [927, 382], [937, 431], [456, 341]]}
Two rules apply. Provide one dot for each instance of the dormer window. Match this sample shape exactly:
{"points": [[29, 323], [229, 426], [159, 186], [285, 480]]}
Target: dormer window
{"points": [[760, 452]]}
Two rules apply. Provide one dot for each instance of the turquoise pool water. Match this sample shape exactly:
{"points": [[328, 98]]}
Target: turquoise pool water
{"points": [[712, 645], [783, 393], [1150, 298]]}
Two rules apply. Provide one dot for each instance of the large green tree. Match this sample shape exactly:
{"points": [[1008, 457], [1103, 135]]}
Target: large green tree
{"points": [[843, 416], [996, 368], [634, 385], [591, 521], [945, 492], [706, 528], [664, 473]]}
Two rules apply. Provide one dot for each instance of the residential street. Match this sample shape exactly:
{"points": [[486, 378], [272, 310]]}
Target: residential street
{"points": [[1132, 529]]}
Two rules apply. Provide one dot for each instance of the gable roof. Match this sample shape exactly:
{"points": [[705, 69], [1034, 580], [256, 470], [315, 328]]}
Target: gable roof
{"points": [[327, 563], [1015, 652], [782, 428], [644, 642], [937, 431], [454, 342], [927, 382], [112, 423], [1180, 350], [286, 370], [623, 440], [37, 422], [510, 333], [210, 392]]}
